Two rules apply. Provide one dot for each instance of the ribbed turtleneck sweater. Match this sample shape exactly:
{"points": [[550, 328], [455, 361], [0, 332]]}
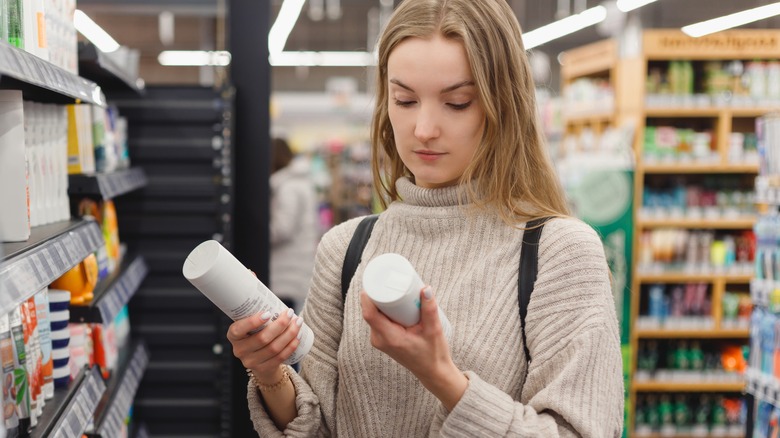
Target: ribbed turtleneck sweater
{"points": [[574, 383]]}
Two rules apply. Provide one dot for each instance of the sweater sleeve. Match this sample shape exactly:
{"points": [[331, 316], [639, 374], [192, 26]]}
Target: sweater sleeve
{"points": [[316, 385], [574, 385]]}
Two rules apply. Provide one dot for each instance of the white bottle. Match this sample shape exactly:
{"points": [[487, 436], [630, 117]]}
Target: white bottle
{"points": [[394, 286], [232, 287]]}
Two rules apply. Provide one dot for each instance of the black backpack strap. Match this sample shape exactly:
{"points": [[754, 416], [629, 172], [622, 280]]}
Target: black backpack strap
{"points": [[355, 252], [528, 270]]}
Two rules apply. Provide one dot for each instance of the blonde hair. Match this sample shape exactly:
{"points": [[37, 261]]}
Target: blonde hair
{"points": [[511, 170]]}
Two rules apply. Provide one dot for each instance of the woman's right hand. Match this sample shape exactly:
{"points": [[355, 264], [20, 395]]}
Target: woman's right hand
{"points": [[263, 352]]}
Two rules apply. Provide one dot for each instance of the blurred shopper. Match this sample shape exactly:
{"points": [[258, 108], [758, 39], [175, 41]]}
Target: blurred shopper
{"points": [[294, 231], [455, 126]]}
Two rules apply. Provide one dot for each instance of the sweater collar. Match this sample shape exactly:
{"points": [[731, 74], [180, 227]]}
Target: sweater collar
{"points": [[423, 197]]}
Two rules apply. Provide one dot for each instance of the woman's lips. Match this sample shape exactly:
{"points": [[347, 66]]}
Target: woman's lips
{"points": [[429, 155]]}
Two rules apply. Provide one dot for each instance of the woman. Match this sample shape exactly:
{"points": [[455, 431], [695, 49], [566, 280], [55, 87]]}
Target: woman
{"points": [[455, 125], [294, 233]]}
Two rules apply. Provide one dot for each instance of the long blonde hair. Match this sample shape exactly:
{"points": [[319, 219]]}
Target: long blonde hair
{"points": [[511, 170]]}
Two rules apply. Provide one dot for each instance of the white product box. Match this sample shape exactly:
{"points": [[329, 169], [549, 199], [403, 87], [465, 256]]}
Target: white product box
{"points": [[14, 202]]}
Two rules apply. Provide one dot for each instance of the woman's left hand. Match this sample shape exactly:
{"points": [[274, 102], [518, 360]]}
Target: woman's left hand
{"points": [[421, 348]]}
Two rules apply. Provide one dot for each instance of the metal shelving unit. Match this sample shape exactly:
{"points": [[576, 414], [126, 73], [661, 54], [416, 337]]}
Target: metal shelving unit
{"points": [[101, 68], [42, 81], [181, 136], [71, 410], [107, 185], [121, 388], [51, 251], [111, 295]]}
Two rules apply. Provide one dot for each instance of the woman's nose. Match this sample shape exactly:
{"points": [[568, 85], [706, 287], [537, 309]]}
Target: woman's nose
{"points": [[427, 126]]}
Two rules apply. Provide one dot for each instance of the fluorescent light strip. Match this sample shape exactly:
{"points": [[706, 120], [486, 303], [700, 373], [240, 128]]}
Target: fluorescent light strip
{"points": [[196, 58], [733, 20], [630, 5], [94, 33], [323, 59], [285, 21], [563, 27]]}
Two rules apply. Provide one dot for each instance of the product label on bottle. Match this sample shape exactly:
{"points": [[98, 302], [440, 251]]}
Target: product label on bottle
{"points": [[20, 367], [41, 30], [7, 359]]}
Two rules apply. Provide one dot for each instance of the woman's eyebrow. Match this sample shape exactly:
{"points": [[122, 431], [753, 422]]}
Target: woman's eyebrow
{"points": [[466, 83]]}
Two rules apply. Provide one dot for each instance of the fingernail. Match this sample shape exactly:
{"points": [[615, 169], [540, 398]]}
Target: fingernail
{"points": [[299, 336], [265, 316], [428, 292], [299, 321], [290, 313]]}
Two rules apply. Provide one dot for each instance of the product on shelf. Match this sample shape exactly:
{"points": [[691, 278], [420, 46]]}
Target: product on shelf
{"points": [[683, 306], [14, 197], [45, 127], [675, 414], [80, 281], [586, 96], [81, 146], [685, 83], [10, 416], [21, 378], [689, 361], [696, 251], [709, 198], [104, 212]]}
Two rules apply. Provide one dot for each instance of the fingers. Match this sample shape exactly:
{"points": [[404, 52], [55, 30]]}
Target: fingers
{"points": [[373, 316], [275, 342], [243, 328], [429, 311]]}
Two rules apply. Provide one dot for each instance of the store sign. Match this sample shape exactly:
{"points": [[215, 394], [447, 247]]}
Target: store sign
{"points": [[750, 43], [719, 42]]}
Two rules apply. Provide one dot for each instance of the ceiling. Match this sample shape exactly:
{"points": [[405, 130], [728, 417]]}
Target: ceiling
{"points": [[198, 26]]}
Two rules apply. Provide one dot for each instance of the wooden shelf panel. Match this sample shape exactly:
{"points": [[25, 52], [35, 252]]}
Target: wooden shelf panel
{"points": [[708, 112], [688, 386], [717, 224], [699, 168], [693, 334], [682, 112], [680, 277], [594, 118]]}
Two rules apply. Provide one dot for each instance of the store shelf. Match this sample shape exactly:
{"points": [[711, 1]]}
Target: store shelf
{"points": [[688, 435], [716, 224], [113, 292], [71, 410], [680, 277], [42, 81], [682, 112], [51, 251], [693, 334], [594, 118], [99, 67], [764, 387], [688, 387], [714, 168], [122, 386], [107, 185]]}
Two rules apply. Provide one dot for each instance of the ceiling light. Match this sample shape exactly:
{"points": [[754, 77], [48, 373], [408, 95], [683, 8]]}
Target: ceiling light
{"points": [[196, 58], [732, 20], [323, 59], [563, 27], [285, 21], [630, 5], [94, 33]]}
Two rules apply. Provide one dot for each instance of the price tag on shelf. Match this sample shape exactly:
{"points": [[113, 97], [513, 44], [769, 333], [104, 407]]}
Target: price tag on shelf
{"points": [[121, 403]]}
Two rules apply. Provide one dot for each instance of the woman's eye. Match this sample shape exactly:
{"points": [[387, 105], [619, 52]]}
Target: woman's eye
{"points": [[404, 103], [459, 106]]}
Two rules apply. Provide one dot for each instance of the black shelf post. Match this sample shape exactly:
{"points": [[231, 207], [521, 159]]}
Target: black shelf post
{"points": [[251, 76]]}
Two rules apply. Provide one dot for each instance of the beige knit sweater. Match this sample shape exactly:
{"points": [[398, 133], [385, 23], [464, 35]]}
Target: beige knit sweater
{"points": [[574, 386]]}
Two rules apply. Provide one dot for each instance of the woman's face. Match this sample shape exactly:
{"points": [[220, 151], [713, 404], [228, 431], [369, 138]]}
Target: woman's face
{"points": [[434, 109]]}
